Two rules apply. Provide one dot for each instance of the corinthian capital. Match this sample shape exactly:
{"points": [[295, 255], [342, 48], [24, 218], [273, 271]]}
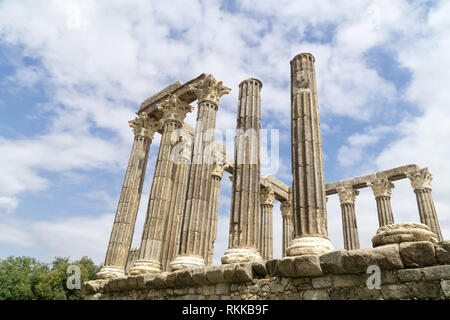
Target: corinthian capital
{"points": [[174, 108], [209, 89], [347, 194], [267, 196], [145, 126], [420, 179], [286, 209], [382, 187], [218, 160]]}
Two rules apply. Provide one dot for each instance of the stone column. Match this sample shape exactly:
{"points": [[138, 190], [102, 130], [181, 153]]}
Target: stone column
{"points": [[266, 229], [310, 213], [245, 199], [347, 196], [190, 253], [288, 226], [421, 183], [214, 197], [382, 189], [119, 245], [150, 253], [177, 200]]}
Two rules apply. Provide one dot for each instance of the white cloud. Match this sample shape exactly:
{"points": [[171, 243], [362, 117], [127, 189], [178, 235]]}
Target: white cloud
{"points": [[97, 62]]}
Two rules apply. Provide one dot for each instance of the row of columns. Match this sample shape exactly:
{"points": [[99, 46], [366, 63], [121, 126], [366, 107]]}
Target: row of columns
{"points": [[382, 190], [181, 223]]}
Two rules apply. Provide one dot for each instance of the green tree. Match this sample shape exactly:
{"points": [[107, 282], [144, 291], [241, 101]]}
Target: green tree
{"points": [[26, 278], [19, 276]]}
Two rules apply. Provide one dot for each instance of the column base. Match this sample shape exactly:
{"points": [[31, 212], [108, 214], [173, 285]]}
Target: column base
{"points": [[145, 266], [109, 272], [184, 262], [309, 245], [403, 232], [240, 255]]}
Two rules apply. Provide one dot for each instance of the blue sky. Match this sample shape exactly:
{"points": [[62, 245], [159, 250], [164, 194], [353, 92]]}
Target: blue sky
{"points": [[72, 76]]}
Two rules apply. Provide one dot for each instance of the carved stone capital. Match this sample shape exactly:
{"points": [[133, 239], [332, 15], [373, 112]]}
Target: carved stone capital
{"points": [[218, 162], [420, 179], [382, 187], [347, 194], [209, 89], [267, 196], [145, 126], [286, 208], [174, 109]]}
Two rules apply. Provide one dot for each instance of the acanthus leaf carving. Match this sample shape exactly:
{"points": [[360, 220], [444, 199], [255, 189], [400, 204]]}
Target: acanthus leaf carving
{"points": [[420, 179], [145, 126], [209, 89]]}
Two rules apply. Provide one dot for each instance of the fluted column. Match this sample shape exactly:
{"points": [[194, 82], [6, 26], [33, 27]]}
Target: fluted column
{"points": [[421, 183], [152, 243], [214, 197], [177, 201], [288, 226], [266, 229], [347, 196], [310, 213], [119, 245], [245, 199], [190, 253], [382, 189]]}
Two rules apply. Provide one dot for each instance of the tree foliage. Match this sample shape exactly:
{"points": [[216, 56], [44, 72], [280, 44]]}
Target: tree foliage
{"points": [[25, 278]]}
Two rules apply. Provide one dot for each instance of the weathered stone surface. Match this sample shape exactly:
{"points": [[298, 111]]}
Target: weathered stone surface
{"points": [[272, 267], [286, 267], [93, 286], [159, 281], [333, 262], [148, 280], [364, 293], [436, 272], [443, 252], [395, 291], [408, 275], [425, 290], [259, 269], [229, 272], [199, 276], [132, 282], [403, 232], [171, 279], [307, 265], [317, 294], [347, 280], [184, 278], [322, 282], [445, 286], [276, 287], [214, 274], [387, 257], [209, 290], [244, 272], [340, 294], [222, 288], [418, 254]]}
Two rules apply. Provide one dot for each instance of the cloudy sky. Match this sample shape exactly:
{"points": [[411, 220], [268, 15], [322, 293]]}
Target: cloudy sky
{"points": [[72, 73]]}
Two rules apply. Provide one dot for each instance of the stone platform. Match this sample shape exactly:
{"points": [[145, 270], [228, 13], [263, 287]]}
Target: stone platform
{"points": [[409, 270]]}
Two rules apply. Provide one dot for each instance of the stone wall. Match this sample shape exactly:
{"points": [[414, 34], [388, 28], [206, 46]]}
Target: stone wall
{"points": [[411, 270]]}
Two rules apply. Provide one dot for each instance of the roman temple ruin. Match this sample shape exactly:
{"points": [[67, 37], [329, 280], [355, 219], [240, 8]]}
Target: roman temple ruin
{"points": [[174, 259]]}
